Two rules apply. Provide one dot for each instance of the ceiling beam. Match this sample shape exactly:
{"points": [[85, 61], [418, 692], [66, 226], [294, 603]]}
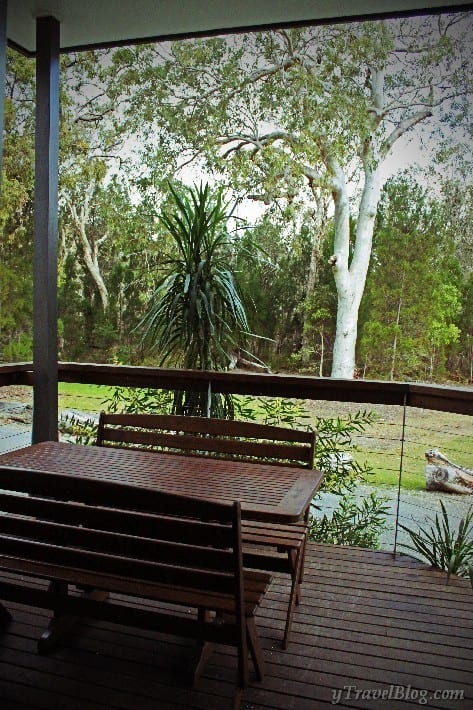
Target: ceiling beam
{"points": [[91, 25]]}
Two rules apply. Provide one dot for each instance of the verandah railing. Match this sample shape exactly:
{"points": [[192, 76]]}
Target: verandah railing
{"points": [[399, 441], [437, 397]]}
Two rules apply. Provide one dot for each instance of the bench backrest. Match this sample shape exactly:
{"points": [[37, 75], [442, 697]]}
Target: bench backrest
{"points": [[222, 438], [85, 526]]}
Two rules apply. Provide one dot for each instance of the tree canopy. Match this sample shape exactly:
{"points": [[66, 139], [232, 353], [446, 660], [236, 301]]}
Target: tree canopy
{"points": [[300, 128], [292, 115]]}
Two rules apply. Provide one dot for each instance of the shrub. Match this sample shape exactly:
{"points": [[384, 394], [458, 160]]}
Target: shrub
{"points": [[352, 522]]}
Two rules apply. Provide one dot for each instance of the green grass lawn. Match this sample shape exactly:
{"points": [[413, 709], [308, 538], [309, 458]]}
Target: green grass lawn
{"points": [[86, 398], [451, 434]]}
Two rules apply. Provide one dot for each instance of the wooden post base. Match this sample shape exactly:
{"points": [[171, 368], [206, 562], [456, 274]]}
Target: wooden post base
{"points": [[5, 616], [61, 624]]}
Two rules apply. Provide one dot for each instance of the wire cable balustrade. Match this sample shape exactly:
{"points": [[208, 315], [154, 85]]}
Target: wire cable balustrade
{"points": [[393, 446]]}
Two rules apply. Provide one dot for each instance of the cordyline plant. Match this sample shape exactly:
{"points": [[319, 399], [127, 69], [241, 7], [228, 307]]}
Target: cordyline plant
{"points": [[444, 547], [196, 316]]}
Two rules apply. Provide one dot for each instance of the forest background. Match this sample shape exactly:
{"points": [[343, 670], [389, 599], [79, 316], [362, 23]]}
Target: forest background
{"points": [[305, 132]]}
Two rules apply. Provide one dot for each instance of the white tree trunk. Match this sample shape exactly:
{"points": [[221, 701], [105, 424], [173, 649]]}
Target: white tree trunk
{"points": [[349, 277], [343, 363], [319, 217], [90, 248]]}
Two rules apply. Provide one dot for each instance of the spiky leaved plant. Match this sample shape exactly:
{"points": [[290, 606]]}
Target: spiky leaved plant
{"points": [[447, 548], [196, 316]]}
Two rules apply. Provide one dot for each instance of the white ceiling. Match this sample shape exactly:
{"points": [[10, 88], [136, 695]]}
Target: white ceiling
{"points": [[102, 22]]}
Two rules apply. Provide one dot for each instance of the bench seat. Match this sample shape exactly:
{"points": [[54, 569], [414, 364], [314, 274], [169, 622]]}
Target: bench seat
{"points": [[272, 547], [108, 539]]}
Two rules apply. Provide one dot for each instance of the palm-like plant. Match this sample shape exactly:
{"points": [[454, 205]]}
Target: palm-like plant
{"points": [[444, 547], [196, 312]]}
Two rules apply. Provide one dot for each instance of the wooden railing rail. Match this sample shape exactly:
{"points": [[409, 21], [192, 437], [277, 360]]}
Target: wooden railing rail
{"points": [[436, 397], [19, 373]]}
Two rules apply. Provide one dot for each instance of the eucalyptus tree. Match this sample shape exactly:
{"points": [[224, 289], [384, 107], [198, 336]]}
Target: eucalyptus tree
{"points": [[125, 252], [294, 115], [104, 232], [196, 318], [91, 150]]}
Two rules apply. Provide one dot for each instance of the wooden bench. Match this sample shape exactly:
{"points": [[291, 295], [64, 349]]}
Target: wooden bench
{"points": [[275, 547], [107, 538]]}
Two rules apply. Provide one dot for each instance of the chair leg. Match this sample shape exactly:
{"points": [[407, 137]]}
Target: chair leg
{"points": [[255, 647], [294, 595], [5, 616], [293, 556], [202, 653], [237, 699], [301, 570]]}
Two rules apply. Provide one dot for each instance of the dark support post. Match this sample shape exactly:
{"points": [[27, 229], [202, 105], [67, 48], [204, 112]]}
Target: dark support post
{"points": [[3, 62], [45, 392]]}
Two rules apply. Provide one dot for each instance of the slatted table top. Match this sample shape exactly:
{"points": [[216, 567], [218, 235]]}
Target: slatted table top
{"points": [[266, 492]]}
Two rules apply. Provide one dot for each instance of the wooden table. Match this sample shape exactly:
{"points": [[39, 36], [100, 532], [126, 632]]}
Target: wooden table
{"points": [[267, 492]]}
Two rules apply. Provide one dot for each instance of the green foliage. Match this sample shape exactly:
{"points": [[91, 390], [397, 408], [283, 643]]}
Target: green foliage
{"points": [[462, 352], [16, 211], [136, 400], [275, 411], [196, 318], [279, 114], [129, 400], [119, 237], [352, 523], [334, 448], [272, 279], [271, 118], [196, 308], [412, 298], [20, 350], [442, 546]]}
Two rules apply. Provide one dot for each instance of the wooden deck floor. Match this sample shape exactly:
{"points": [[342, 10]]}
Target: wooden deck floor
{"points": [[367, 621]]}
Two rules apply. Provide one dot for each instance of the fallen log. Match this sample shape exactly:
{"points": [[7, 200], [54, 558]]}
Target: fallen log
{"points": [[444, 475]]}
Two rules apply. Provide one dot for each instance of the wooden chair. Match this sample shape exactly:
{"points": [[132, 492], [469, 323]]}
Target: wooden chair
{"points": [[108, 537], [279, 548]]}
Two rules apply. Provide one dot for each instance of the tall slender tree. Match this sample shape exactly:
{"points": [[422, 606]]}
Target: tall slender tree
{"points": [[291, 115]]}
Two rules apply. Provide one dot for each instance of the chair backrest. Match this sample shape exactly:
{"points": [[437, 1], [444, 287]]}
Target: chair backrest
{"points": [[202, 436], [144, 535]]}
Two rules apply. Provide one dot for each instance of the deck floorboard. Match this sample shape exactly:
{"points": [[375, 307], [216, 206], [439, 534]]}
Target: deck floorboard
{"points": [[366, 620]]}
